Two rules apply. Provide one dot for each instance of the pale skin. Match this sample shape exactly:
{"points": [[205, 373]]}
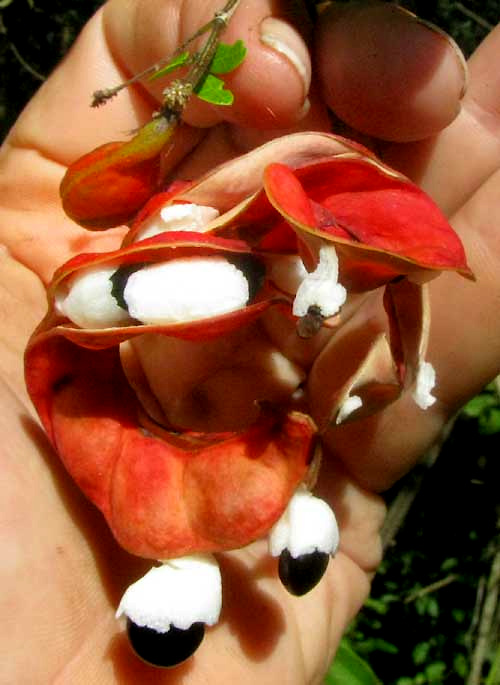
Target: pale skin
{"points": [[62, 574]]}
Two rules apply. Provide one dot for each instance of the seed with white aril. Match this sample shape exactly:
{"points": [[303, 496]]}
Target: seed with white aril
{"points": [[185, 290], [304, 538], [177, 217], [180, 290], [168, 608], [87, 301], [320, 288], [180, 592]]}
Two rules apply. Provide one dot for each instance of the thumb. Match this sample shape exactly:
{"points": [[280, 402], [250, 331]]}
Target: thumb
{"points": [[386, 73]]}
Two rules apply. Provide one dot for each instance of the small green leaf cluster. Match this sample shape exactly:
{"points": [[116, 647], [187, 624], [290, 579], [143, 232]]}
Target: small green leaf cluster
{"points": [[226, 59], [212, 89]]}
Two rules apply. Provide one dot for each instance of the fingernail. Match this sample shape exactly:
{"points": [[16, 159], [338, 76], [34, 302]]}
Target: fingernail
{"points": [[284, 39], [458, 53]]}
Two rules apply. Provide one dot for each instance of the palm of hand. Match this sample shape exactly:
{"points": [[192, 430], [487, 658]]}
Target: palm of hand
{"points": [[62, 570]]}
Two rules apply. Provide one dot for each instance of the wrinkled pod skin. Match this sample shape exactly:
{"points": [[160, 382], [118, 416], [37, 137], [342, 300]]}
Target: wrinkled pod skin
{"points": [[167, 492]]}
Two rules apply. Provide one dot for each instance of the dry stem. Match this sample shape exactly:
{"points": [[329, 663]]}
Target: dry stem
{"points": [[489, 609]]}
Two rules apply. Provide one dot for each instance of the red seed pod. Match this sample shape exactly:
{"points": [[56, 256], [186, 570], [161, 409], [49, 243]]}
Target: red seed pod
{"points": [[165, 489], [107, 186]]}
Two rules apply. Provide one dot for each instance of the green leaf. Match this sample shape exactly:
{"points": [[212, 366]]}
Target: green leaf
{"points": [[478, 404], [489, 421], [350, 669], [433, 607], [212, 90], [449, 563], [377, 605], [228, 57], [377, 644], [461, 665], [421, 605], [420, 653], [177, 62], [459, 615], [485, 407], [435, 671]]}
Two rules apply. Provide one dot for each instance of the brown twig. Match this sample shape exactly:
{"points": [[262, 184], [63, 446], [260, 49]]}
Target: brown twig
{"points": [[429, 589], [488, 612], [475, 17], [476, 614], [25, 64]]}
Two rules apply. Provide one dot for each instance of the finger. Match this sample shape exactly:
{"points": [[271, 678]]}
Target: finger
{"points": [[225, 141], [387, 74], [453, 165], [359, 513]]}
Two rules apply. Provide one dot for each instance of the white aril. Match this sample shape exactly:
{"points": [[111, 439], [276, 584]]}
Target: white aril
{"points": [[87, 301], [185, 290], [178, 593], [320, 288], [177, 217], [307, 525]]}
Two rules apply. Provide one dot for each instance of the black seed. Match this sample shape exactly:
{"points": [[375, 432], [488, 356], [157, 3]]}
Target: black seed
{"points": [[165, 649], [309, 324], [119, 281], [254, 271], [301, 574]]}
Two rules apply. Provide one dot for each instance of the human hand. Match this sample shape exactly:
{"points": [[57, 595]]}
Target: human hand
{"points": [[55, 542]]}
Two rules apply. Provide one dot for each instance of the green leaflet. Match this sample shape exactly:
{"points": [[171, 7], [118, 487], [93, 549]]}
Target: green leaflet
{"points": [[350, 669], [177, 62], [228, 57], [212, 90]]}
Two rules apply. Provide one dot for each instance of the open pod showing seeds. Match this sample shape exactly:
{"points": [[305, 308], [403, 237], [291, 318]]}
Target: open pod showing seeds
{"points": [[163, 495], [185, 380]]}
